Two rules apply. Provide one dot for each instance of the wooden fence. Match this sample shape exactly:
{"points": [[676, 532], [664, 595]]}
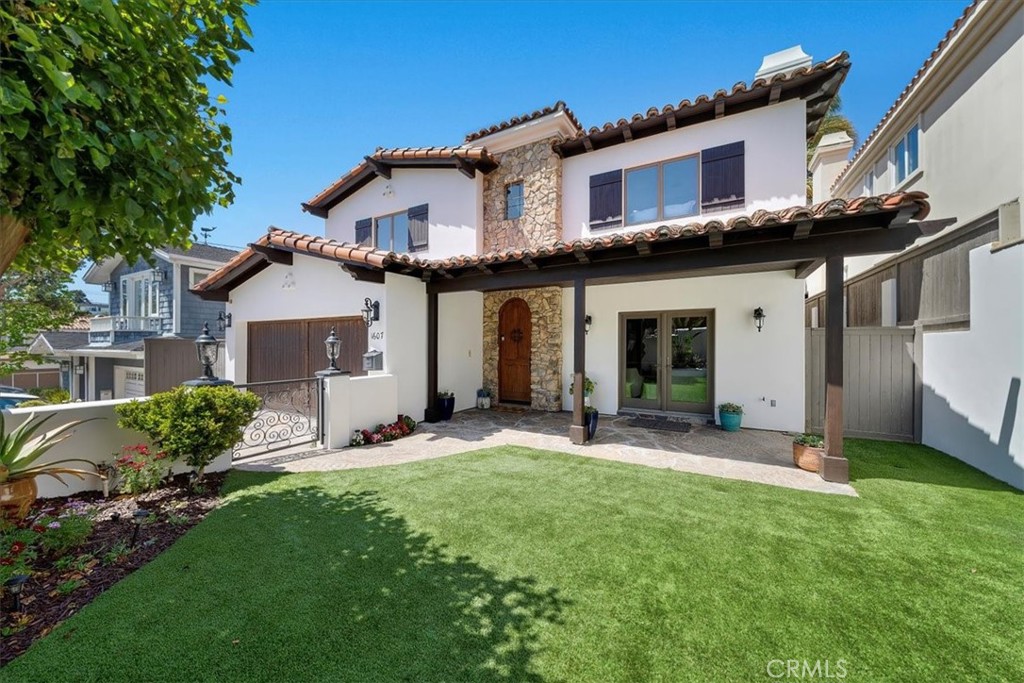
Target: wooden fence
{"points": [[172, 360], [878, 382]]}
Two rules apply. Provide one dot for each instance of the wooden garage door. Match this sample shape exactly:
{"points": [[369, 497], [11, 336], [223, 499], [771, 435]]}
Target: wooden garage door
{"points": [[293, 349]]}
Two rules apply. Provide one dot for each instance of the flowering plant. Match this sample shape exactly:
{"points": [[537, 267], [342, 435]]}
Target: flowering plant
{"points": [[382, 432], [51, 532], [140, 470]]}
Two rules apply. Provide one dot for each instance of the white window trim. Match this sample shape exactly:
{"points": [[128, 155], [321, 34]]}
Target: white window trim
{"points": [[150, 288], [196, 275], [897, 184]]}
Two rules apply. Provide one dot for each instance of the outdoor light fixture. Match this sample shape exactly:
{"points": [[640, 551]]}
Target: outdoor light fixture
{"points": [[333, 346], [759, 317], [14, 585], [371, 311], [138, 518], [223, 321], [206, 350], [587, 322], [108, 286], [158, 275]]}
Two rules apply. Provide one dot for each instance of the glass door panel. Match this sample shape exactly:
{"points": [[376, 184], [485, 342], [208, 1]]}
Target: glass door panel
{"points": [[641, 363], [689, 346]]}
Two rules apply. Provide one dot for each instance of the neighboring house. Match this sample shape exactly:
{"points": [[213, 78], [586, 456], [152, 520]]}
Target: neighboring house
{"points": [[536, 251], [145, 343], [93, 308], [957, 133]]}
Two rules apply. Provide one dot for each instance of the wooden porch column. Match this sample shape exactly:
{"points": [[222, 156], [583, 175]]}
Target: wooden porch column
{"points": [[834, 466], [578, 430], [431, 414]]}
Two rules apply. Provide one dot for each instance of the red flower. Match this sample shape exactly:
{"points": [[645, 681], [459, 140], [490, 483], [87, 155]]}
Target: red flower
{"points": [[38, 528], [17, 547], [6, 561]]}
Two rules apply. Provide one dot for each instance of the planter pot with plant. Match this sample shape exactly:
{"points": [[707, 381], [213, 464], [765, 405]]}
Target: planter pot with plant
{"points": [[446, 404], [19, 452], [730, 415], [591, 415], [483, 399], [807, 451]]}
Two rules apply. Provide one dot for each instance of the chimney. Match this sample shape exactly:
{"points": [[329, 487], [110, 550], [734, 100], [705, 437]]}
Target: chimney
{"points": [[828, 161], [783, 62]]}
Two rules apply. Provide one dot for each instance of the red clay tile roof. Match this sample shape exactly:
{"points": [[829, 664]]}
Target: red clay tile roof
{"points": [[516, 120], [363, 256], [654, 119], [910, 87], [404, 156]]}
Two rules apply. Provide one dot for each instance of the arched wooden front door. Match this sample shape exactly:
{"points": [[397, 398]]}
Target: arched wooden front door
{"points": [[514, 332]]}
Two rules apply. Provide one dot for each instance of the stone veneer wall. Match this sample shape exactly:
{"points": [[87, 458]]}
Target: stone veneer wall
{"points": [[545, 343], [540, 170]]}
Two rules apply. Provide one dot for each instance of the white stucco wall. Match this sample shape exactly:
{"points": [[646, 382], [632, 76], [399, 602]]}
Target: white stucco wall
{"points": [[972, 406], [309, 288], [748, 365], [405, 338], [453, 198], [460, 346], [775, 163]]}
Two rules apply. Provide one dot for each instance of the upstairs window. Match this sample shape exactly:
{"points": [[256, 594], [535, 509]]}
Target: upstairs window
{"points": [[514, 201], [406, 231], [662, 191], [905, 154], [140, 296], [392, 232], [869, 184]]}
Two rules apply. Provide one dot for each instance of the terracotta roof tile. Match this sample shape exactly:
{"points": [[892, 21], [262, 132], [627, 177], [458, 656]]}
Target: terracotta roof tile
{"points": [[516, 120], [910, 87]]}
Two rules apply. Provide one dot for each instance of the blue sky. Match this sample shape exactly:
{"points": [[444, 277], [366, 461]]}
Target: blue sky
{"points": [[330, 81]]}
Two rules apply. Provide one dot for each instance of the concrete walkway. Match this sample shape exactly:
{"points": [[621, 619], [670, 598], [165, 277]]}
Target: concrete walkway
{"points": [[751, 455]]}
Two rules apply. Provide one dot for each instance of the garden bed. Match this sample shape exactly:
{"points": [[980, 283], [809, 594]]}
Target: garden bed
{"points": [[59, 587]]}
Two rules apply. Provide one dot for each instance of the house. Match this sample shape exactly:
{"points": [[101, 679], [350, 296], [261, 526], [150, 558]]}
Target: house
{"points": [[94, 308], [537, 252], [956, 133], [145, 344]]}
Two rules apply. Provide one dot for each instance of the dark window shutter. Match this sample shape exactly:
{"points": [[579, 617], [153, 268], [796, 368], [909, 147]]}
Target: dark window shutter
{"points": [[364, 231], [419, 228], [722, 177], [606, 199]]}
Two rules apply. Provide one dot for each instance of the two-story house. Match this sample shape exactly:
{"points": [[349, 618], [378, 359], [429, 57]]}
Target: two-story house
{"points": [[144, 344], [956, 131], [661, 255]]}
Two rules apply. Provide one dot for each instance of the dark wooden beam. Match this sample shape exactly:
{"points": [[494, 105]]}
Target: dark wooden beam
{"points": [[587, 144], [807, 267], [364, 274], [431, 413], [529, 262], [379, 167], [904, 216], [715, 239], [580, 255], [833, 370], [465, 167], [484, 269], [719, 108], [670, 122], [643, 248], [273, 254], [775, 93], [245, 271], [445, 274], [627, 133], [803, 229], [578, 429]]}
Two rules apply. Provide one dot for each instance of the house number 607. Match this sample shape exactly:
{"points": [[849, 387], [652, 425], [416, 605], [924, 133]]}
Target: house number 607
{"points": [[376, 335]]}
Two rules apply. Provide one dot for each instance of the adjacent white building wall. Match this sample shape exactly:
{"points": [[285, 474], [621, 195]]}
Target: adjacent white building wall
{"points": [[775, 163], [454, 213], [309, 288], [99, 442], [404, 321], [749, 365], [374, 400], [460, 346], [972, 405]]}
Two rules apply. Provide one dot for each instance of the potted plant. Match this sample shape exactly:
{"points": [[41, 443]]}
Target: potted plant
{"points": [[591, 415], [807, 451], [730, 415], [19, 452], [446, 404], [588, 388], [483, 399]]}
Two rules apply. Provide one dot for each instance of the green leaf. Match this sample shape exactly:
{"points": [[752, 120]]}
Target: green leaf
{"points": [[132, 209], [99, 159]]}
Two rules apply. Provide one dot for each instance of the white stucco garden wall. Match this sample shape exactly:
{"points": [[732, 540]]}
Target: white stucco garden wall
{"points": [[309, 288], [972, 406], [460, 346], [748, 365], [775, 163], [454, 202], [404, 320]]}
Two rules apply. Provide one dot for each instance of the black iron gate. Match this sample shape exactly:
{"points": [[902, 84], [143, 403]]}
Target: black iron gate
{"points": [[291, 415]]}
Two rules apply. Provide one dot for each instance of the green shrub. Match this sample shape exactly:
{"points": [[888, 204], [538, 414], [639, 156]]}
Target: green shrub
{"points": [[194, 424], [55, 395], [812, 440], [32, 403], [66, 533]]}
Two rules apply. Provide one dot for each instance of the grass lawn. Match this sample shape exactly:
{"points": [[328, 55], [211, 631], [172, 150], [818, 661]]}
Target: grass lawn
{"points": [[514, 564]]}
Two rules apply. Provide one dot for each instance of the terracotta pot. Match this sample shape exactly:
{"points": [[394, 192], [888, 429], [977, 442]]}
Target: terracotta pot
{"points": [[17, 496], [807, 457]]}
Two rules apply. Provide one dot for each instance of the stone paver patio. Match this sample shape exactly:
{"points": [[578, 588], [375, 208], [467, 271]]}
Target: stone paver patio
{"points": [[751, 455]]}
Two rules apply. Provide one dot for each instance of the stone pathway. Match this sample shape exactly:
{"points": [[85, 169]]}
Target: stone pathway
{"points": [[751, 455]]}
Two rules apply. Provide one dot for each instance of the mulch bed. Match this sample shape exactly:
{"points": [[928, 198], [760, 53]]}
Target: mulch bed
{"points": [[173, 508]]}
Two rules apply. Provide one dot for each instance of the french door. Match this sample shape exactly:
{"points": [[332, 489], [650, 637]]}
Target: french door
{"points": [[666, 361]]}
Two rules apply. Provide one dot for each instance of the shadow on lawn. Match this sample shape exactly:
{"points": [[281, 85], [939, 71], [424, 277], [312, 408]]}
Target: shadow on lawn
{"points": [[377, 600]]}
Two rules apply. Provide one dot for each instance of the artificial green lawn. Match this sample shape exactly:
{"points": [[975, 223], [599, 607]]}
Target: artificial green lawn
{"points": [[514, 564]]}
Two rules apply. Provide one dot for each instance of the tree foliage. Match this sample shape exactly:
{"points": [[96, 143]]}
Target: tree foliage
{"points": [[31, 302], [110, 140], [834, 122]]}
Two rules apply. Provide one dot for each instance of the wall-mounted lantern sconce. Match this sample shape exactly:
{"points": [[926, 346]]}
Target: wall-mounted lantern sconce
{"points": [[371, 311], [206, 350], [587, 322], [158, 275], [759, 317], [223, 321], [108, 286]]}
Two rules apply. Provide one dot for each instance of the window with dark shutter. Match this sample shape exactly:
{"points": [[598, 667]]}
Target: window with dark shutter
{"points": [[419, 228], [364, 232], [606, 200], [722, 177]]}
